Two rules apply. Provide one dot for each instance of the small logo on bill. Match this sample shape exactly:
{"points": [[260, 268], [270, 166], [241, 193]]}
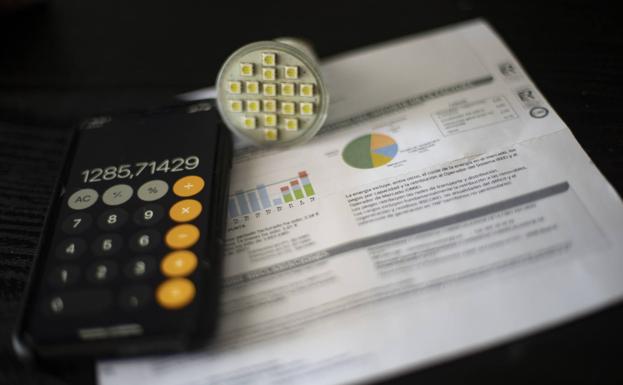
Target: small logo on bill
{"points": [[539, 112], [507, 69], [526, 95]]}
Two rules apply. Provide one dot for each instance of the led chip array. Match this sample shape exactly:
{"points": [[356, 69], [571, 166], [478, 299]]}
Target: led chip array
{"points": [[271, 95]]}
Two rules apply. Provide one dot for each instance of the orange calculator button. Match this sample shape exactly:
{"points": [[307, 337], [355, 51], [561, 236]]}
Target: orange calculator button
{"points": [[185, 210], [179, 263], [182, 236], [175, 293], [188, 186]]}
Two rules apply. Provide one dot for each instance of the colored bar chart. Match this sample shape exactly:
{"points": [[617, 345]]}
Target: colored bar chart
{"points": [[309, 190], [242, 203], [296, 188], [287, 197], [255, 204], [233, 209], [264, 196], [276, 194]]}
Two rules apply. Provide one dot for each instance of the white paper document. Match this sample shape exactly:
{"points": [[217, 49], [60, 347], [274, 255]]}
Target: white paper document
{"points": [[443, 208]]}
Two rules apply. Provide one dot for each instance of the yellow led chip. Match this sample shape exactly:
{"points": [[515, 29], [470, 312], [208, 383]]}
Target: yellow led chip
{"points": [[233, 87], [306, 108], [270, 105], [246, 69], [287, 108], [253, 105], [270, 120], [271, 93], [291, 124], [268, 59], [269, 89], [268, 73], [292, 72], [306, 89], [252, 87], [248, 122], [235, 105], [271, 134], [287, 89]]}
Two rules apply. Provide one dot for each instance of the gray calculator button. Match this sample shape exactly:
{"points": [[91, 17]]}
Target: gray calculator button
{"points": [[117, 194], [153, 190], [82, 199]]}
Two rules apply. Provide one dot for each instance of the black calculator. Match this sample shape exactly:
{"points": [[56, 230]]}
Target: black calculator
{"points": [[130, 258]]}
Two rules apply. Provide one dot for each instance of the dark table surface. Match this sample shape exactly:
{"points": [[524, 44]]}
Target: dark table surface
{"points": [[62, 61]]}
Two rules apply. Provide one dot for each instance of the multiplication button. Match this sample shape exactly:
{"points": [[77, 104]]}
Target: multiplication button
{"points": [[82, 199], [152, 190], [185, 210], [117, 194]]}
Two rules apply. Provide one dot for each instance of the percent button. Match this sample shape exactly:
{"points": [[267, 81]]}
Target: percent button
{"points": [[152, 190]]}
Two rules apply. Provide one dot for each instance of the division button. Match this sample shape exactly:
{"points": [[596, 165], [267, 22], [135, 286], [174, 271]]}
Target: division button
{"points": [[77, 223], [135, 297], [185, 210], [182, 236], [101, 272], [107, 244], [175, 293], [112, 219], [117, 194], [82, 199], [145, 240], [188, 186], [152, 190], [64, 276], [179, 263], [148, 215], [71, 248]]}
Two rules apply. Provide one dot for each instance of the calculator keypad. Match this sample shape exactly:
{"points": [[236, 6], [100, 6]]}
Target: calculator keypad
{"points": [[114, 249]]}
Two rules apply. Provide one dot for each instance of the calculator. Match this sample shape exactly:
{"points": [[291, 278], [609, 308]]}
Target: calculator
{"points": [[130, 258]]}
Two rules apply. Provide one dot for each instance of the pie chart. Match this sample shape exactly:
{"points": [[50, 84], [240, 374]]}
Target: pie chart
{"points": [[370, 151]]}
